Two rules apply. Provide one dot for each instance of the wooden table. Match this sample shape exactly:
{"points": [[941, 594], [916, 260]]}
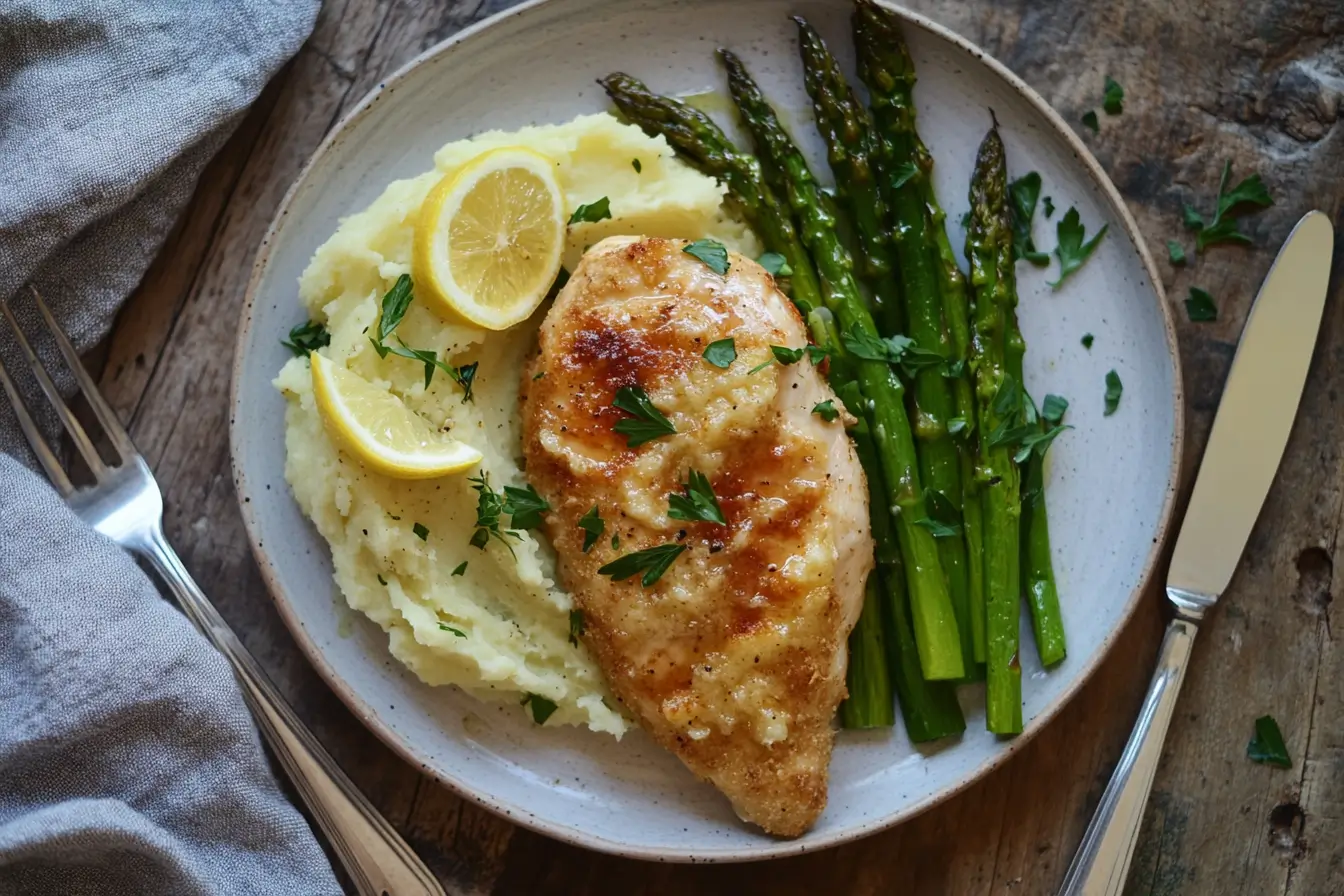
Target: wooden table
{"points": [[1206, 80]]}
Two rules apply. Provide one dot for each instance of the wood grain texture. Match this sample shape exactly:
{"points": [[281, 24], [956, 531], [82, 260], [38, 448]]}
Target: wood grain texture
{"points": [[1206, 80]]}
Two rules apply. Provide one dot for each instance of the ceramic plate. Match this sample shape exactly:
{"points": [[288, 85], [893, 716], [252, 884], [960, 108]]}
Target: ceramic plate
{"points": [[1111, 480]]}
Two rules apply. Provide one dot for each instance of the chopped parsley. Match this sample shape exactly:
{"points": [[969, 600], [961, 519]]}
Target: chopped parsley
{"points": [[775, 264], [646, 422], [1071, 250], [381, 580], [1199, 306], [826, 410], [634, 163], [460, 569], [956, 425], [592, 212], [445, 627], [489, 507], [712, 252], [421, 531], [593, 526], [1053, 408], [576, 624], [1090, 120], [904, 173], [395, 302], [307, 338], [1113, 99], [698, 504], [875, 348], [542, 709], [721, 353], [538, 375], [1231, 203], [524, 506], [784, 355], [1114, 389], [942, 519], [1087, 341], [652, 562], [1175, 252], [1023, 194], [1267, 746], [1038, 442], [1049, 205], [615, 542], [465, 376]]}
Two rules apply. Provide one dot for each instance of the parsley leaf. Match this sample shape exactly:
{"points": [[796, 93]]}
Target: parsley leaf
{"points": [[307, 338], [524, 506], [1049, 205], [1175, 252], [647, 422], [653, 562], [465, 376], [942, 519], [395, 302], [956, 425], [1223, 228], [542, 709], [615, 542], [1114, 388], [816, 354], [576, 624], [1267, 746], [421, 532], [1008, 398], [1038, 441], [593, 526], [489, 507], [721, 353], [1114, 99], [1090, 120], [592, 212], [786, 356], [775, 264], [904, 173], [1053, 408], [826, 410], [875, 348], [1199, 306], [1072, 251], [1023, 194], [634, 163], [712, 252], [445, 627], [460, 569], [1087, 341], [698, 504]]}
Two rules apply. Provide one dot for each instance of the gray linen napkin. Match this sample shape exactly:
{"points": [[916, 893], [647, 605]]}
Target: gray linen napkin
{"points": [[128, 762]]}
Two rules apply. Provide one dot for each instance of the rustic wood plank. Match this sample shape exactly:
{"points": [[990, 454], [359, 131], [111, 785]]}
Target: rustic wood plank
{"points": [[1260, 86]]}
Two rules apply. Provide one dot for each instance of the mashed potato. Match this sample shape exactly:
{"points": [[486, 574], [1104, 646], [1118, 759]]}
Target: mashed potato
{"points": [[499, 630]]}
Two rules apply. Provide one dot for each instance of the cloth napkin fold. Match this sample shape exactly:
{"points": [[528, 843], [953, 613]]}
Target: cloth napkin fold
{"points": [[128, 761]]}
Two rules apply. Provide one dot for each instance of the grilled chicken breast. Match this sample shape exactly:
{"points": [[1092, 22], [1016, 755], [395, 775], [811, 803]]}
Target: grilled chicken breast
{"points": [[734, 658]]}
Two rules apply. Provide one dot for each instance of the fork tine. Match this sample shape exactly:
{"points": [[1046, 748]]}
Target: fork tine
{"points": [[45, 455], [107, 418], [77, 433]]}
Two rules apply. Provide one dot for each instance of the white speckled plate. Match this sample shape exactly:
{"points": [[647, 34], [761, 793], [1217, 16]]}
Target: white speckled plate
{"points": [[1110, 487]]}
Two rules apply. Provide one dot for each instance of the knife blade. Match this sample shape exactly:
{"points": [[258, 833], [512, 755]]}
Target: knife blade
{"points": [[1255, 415]]}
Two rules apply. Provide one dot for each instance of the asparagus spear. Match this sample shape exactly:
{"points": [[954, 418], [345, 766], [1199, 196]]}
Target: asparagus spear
{"points": [[989, 248], [1038, 570], [935, 621], [929, 708], [869, 704], [845, 125], [927, 277]]}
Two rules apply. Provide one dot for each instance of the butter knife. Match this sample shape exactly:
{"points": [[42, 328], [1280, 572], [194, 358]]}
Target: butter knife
{"points": [[1249, 433]]}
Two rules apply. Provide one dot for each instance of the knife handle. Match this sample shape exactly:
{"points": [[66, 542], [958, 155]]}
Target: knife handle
{"points": [[1100, 866]]}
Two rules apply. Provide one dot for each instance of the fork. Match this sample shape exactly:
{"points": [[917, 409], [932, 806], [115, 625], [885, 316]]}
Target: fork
{"points": [[126, 505]]}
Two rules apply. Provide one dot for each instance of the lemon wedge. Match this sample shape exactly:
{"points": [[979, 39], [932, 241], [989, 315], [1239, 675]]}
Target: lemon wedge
{"points": [[489, 238], [377, 428]]}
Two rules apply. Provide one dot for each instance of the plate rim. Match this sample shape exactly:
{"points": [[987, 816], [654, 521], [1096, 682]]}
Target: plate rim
{"points": [[519, 814]]}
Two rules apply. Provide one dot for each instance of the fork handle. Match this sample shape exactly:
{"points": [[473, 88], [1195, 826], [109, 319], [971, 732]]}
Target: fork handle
{"points": [[374, 855], [1100, 866]]}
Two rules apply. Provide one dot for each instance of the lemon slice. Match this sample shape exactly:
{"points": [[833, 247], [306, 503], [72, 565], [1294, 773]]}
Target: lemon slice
{"points": [[489, 239], [382, 432]]}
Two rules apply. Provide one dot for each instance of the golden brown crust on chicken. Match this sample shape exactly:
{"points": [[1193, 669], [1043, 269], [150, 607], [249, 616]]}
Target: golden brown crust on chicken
{"points": [[735, 658]]}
